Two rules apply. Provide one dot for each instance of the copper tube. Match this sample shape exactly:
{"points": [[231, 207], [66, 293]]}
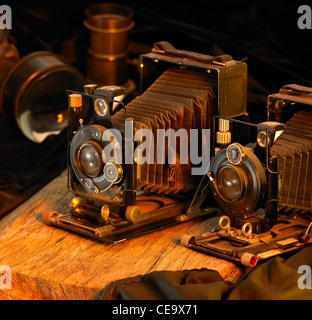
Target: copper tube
{"points": [[107, 53]]}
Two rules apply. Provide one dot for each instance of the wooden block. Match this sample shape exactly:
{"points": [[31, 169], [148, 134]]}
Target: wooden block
{"points": [[51, 263]]}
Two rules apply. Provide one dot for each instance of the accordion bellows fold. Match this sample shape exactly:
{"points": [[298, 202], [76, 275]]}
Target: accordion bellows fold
{"points": [[294, 152], [177, 99]]}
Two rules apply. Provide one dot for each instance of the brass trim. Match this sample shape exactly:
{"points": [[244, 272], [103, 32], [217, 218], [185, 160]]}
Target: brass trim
{"points": [[110, 57], [92, 28]]}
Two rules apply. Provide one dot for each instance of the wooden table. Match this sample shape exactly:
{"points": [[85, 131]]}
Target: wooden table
{"points": [[51, 263]]}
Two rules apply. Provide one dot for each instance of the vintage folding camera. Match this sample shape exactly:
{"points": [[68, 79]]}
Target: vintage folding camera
{"points": [[133, 167], [261, 180]]}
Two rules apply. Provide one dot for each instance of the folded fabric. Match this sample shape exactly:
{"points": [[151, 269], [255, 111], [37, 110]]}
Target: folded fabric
{"points": [[275, 279]]}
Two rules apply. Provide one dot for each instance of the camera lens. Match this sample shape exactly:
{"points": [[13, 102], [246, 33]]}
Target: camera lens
{"points": [[90, 160], [33, 94], [230, 184]]}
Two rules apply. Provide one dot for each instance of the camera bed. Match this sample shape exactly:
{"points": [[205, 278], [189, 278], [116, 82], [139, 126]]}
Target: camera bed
{"points": [[156, 212], [283, 238]]}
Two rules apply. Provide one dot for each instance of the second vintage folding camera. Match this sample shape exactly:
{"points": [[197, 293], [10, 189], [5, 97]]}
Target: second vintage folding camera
{"points": [[127, 183], [261, 180]]}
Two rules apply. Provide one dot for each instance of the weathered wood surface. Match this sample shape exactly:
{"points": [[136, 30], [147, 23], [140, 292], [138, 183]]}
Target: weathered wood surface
{"points": [[51, 263]]}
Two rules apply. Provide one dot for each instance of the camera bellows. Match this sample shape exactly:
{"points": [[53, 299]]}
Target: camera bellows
{"points": [[178, 99], [294, 152]]}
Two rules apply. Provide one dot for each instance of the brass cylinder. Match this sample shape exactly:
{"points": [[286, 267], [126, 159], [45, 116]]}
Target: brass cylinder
{"points": [[108, 24]]}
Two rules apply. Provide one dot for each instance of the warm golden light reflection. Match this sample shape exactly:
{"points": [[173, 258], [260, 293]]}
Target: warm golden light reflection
{"points": [[60, 118]]}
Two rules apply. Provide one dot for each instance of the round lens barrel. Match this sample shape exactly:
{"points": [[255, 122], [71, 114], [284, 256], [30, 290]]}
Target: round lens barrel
{"points": [[33, 94]]}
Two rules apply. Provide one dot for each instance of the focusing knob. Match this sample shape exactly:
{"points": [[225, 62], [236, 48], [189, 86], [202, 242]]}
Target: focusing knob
{"points": [[223, 136], [186, 239], [113, 171], [223, 125], [249, 259], [133, 214]]}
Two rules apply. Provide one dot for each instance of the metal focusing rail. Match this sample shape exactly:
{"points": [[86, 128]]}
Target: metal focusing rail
{"points": [[249, 249]]}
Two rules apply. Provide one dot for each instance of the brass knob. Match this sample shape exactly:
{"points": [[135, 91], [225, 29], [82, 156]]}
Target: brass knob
{"points": [[133, 213], [75, 100], [223, 136]]}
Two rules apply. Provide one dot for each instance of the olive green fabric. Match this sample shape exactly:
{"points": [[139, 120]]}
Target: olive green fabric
{"points": [[275, 279]]}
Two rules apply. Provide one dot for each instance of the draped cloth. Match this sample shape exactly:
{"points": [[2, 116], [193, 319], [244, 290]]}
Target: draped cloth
{"points": [[275, 279]]}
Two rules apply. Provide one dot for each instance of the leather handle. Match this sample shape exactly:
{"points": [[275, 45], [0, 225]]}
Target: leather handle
{"points": [[168, 49], [295, 89]]}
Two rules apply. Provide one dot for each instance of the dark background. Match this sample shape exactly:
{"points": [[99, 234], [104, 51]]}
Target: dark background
{"points": [[265, 32]]}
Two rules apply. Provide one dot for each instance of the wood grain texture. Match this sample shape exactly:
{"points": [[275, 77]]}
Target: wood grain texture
{"points": [[51, 263]]}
